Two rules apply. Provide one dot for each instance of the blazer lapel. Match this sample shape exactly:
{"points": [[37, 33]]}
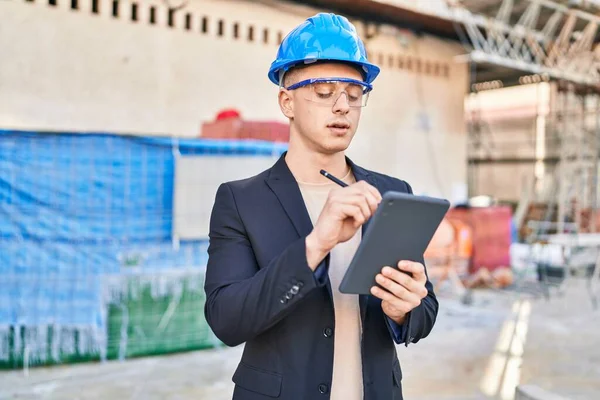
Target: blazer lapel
{"points": [[362, 174], [284, 185]]}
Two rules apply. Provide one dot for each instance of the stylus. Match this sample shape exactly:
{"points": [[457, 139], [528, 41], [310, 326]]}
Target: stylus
{"points": [[333, 178]]}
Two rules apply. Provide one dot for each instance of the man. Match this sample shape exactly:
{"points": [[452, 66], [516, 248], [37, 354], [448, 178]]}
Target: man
{"points": [[280, 243]]}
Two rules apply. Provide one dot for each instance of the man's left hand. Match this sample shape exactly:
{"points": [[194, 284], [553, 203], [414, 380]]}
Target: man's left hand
{"points": [[402, 292]]}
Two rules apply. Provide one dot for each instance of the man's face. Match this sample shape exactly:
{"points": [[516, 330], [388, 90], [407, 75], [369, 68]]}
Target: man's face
{"points": [[324, 116]]}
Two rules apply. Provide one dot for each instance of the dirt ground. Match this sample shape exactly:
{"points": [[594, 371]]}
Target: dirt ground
{"points": [[555, 345]]}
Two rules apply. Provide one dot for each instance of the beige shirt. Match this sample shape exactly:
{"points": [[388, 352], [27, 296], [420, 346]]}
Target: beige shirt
{"points": [[347, 381]]}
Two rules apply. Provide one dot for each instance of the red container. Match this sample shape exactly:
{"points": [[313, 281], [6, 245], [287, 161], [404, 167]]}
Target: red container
{"points": [[491, 235], [235, 128]]}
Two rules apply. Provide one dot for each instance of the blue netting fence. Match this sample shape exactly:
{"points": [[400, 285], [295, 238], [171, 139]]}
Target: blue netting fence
{"points": [[88, 268]]}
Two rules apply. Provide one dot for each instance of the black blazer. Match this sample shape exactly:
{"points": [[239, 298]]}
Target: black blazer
{"points": [[261, 292]]}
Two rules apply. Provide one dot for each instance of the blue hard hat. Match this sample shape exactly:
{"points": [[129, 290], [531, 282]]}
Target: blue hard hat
{"points": [[319, 38]]}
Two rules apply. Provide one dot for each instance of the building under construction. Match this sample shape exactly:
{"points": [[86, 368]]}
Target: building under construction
{"points": [[535, 145]]}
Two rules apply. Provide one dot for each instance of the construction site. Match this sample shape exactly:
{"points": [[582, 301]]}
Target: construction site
{"points": [[120, 119]]}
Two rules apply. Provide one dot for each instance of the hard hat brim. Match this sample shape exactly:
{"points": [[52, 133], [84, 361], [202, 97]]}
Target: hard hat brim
{"points": [[370, 71]]}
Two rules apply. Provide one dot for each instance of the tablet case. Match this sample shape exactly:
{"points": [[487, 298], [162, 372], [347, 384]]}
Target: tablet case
{"points": [[401, 229]]}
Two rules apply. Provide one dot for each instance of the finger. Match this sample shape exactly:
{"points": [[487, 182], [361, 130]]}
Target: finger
{"points": [[385, 295], [391, 286], [359, 217], [372, 200], [365, 187], [373, 190], [348, 198], [355, 199], [370, 193], [354, 188], [364, 206], [402, 278], [416, 269], [369, 197], [356, 213], [408, 302], [343, 211], [360, 201], [412, 297], [394, 301]]}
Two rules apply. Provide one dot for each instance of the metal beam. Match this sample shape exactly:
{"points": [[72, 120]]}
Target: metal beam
{"points": [[505, 11], [555, 49]]}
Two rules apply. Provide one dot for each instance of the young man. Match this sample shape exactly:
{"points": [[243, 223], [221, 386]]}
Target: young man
{"points": [[280, 243]]}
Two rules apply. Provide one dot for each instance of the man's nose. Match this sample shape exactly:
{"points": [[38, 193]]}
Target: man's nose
{"points": [[341, 105]]}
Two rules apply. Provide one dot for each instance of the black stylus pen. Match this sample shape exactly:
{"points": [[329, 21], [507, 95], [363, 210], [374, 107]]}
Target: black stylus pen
{"points": [[333, 178]]}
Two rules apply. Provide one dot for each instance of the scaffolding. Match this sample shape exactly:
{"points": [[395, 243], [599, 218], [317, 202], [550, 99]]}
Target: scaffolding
{"points": [[547, 39], [577, 120], [544, 41]]}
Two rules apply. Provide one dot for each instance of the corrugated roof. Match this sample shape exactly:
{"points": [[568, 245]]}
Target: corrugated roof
{"points": [[388, 12]]}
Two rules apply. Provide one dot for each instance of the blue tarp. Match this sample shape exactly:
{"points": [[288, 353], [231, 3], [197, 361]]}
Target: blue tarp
{"points": [[74, 206]]}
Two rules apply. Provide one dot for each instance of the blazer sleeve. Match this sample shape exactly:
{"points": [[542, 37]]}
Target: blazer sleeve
{"points": [[419, 322], [243, 300]]}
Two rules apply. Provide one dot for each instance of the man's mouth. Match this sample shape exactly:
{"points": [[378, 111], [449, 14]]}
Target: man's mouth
{"points": [[341, 126]]}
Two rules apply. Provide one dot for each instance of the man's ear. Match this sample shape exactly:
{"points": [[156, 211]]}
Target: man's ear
{"points": [[286, 103]]}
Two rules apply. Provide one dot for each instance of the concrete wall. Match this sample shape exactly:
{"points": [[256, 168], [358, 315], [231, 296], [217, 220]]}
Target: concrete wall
{"points": [[73, 69], [194, 193]]}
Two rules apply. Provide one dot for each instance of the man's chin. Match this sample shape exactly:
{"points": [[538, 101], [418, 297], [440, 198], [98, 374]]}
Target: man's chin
{"points": [[333, 147]]}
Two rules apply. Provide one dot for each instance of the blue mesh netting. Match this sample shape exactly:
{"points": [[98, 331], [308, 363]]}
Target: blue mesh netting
{"points": [[74, 207]]}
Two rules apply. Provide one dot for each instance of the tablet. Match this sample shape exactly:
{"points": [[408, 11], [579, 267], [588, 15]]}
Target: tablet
{"points": [[400, 229]]}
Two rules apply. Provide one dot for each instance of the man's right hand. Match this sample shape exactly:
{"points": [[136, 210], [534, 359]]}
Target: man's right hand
{"points": [[345, 211]]}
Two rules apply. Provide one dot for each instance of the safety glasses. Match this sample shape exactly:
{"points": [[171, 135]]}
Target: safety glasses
{"points": [[327, 91]]}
